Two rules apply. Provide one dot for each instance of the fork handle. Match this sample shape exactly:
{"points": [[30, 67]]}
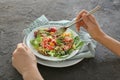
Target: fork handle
{"points": [[90, 12]]}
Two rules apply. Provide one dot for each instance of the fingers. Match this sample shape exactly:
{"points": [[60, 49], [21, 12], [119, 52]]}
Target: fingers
{"points": [[14, 52], [92, 19], [25, 46], [20, 48], [22, 45], [81, 23], [89, 19], [86, 19], [80, 14]]}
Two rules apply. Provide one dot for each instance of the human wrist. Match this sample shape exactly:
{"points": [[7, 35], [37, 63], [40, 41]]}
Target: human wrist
{"points": [[32, 74], [101, 37]]}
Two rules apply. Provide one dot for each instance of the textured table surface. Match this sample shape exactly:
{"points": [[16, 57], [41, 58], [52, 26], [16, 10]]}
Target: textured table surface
{"points": [[15, 15]]}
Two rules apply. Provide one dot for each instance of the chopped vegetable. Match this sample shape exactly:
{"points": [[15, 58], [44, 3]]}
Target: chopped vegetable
{"points": [[47, 43]]}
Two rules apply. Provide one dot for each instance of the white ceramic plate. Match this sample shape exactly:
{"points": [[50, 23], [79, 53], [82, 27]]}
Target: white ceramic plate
{"points": [[60, 64], [49, 58]]}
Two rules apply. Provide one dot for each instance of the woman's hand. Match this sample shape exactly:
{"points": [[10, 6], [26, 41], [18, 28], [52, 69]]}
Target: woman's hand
{"points": [[25, 63], [90, 24], [23, 59]]}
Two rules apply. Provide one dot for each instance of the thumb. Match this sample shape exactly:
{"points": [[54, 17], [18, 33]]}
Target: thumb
{"points": [[86, 19]]}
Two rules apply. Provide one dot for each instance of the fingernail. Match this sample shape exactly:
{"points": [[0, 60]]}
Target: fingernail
{"points": [[83, 14]]}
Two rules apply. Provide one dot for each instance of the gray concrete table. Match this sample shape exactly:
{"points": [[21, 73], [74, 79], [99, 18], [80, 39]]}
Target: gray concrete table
{"points": [[15, 15]]}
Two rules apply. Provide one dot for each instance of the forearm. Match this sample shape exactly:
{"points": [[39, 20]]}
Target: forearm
{"points": [[33, 74], [110, 43]]}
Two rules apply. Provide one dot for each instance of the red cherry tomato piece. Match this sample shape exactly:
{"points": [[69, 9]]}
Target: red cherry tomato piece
{"points": [[52, 29]]}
